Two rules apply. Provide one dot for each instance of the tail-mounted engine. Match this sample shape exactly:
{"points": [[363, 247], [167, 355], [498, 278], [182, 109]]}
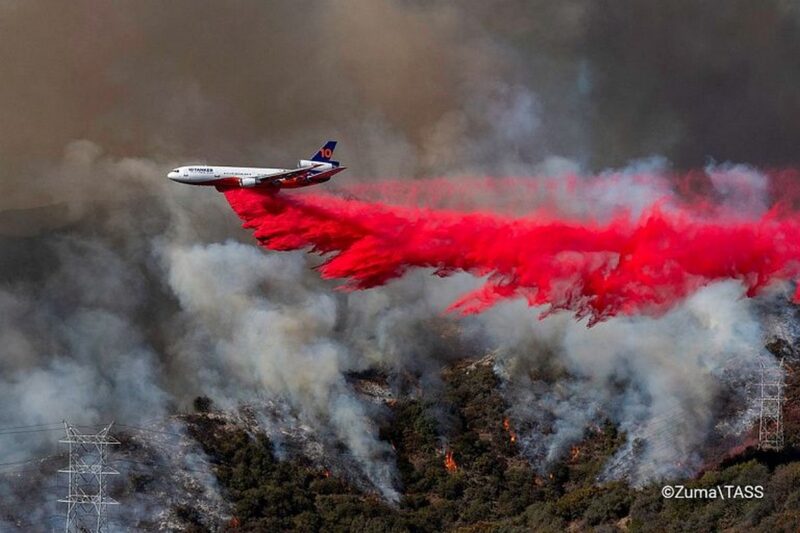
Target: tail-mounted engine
{"points": [[318, 165]]}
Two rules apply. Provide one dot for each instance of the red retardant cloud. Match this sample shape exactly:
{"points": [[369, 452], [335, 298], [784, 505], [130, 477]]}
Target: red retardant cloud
{"points": [[641, 265]]}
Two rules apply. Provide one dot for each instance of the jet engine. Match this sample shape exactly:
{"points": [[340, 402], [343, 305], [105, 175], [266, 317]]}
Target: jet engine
{"points": [[318, 165], [248, 182]]}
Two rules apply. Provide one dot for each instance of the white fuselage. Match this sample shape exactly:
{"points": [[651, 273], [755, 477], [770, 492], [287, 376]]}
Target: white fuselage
{"points": [[319, 169], [211, 175]]}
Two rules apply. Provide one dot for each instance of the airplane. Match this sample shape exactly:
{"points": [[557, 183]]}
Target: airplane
{"points": [[319, 169]]}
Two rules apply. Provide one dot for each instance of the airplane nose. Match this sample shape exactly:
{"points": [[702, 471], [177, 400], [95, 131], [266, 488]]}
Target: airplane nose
{"points": [[173, 175]]}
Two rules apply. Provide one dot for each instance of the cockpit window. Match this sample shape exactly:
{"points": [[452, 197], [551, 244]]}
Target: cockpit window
{"points": [[176, 170]]}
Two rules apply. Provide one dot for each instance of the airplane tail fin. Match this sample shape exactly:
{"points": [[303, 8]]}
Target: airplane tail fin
{"points": [[325, 154]]}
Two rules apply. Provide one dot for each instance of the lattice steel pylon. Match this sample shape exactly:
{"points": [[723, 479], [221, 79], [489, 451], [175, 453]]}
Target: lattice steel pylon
{"points": [[87, 500], [770, 428]]}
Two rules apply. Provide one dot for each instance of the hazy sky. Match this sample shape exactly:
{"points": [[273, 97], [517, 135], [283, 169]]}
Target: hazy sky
{"points": [[596, 81]]}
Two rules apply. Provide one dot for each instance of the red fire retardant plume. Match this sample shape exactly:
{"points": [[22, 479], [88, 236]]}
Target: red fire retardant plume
{"points": [[596, 270]]}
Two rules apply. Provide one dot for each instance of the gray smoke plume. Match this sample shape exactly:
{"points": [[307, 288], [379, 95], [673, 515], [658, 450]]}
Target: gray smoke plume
{"points": [[660, 380], [283, 344]]}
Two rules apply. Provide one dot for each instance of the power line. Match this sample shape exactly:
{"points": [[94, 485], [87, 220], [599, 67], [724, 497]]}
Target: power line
{"points": [[27, 461], [151, 430], [168, 465], [29, 431], [37, 428], [86, 497], [32, 426]]}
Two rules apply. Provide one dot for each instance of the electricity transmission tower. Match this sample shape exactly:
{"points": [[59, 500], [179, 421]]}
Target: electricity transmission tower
{"points": [[770, 428], [87, 500]]}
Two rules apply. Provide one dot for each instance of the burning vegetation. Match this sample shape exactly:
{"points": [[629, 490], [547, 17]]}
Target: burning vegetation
{"points": [[512, 437], [450, 463], [488, 484], [574, 453]]}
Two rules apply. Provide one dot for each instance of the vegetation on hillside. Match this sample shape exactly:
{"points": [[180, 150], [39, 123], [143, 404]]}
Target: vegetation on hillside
{"points": [[460, 470]]}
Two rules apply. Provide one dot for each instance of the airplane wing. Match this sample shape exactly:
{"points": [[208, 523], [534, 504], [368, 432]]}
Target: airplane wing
{"points": [[286, 174]]}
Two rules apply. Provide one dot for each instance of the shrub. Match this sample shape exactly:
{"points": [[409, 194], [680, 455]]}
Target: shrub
{"points": [[202, 404]]}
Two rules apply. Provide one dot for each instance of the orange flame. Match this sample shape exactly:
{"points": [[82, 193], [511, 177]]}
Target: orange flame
{"points": [[574, 453], [507, 426], [326, 473], [449, 462]]}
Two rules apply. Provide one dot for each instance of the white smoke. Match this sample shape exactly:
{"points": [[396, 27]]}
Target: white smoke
{"points": [[743, 189], [659, 380], [253, 326]]}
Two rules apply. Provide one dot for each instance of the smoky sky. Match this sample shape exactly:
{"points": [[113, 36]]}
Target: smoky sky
{"points": [[695, 80], [609, 81]]}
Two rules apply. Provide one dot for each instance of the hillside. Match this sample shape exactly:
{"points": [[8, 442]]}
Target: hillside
{"points": [[472, 477]]}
